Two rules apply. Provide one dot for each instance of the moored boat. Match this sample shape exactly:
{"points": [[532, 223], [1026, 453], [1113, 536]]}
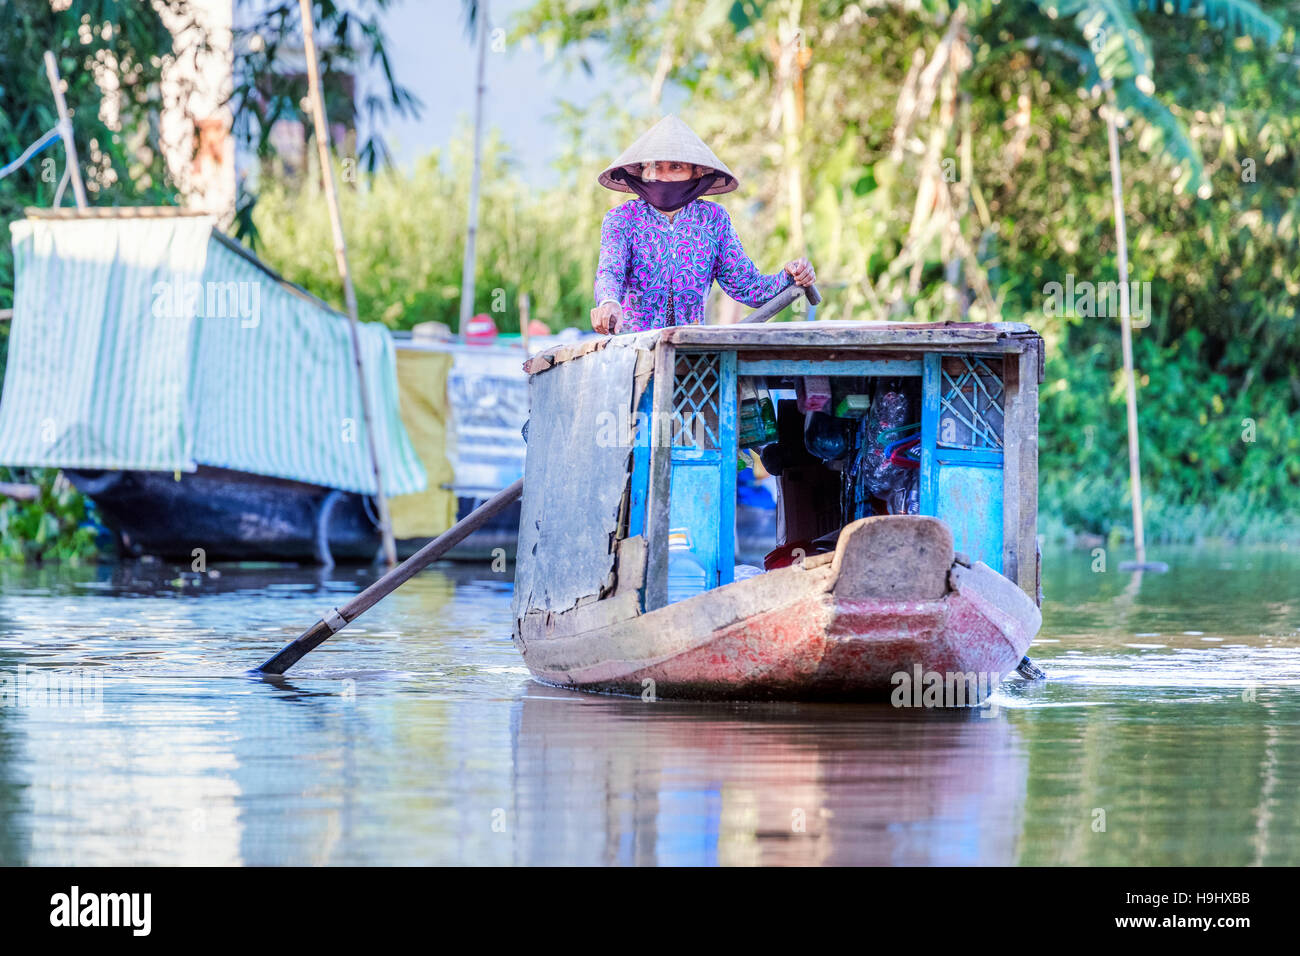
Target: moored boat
{"points": [[912, 575], [210, 408]]}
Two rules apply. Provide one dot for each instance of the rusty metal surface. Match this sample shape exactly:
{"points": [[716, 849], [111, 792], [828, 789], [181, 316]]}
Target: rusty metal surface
{"points": [[576, 468]]}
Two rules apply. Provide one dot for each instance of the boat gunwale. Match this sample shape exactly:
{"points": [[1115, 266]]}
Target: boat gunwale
{"points": [[832, 336]]}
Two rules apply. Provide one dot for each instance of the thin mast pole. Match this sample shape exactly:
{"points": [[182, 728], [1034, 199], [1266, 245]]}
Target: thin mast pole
{"points": [[471, 232], [341, 258], [65, 130], [1126, 331]]}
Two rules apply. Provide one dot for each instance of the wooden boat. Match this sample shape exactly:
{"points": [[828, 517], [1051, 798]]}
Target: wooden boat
{"points": [[635, 437], [479, 396]]}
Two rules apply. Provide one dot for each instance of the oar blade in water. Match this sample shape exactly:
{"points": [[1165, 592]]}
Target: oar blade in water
{"points": [[296, 649]]}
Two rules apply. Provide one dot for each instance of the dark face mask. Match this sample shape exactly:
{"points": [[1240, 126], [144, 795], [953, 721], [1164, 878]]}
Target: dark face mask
{"points": [[666, 197]]}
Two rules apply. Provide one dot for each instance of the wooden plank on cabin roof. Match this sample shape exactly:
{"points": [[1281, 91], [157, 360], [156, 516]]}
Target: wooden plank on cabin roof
{"points": [[831, 335], [559, 354], [818, 336]]}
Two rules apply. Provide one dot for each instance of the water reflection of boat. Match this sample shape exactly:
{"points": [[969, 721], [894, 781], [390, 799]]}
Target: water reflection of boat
{"points": [[617, 781]]}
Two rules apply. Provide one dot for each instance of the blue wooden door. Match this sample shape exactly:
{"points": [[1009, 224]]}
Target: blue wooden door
{"points": [[962, 451], [703, 496], [702, 501]]}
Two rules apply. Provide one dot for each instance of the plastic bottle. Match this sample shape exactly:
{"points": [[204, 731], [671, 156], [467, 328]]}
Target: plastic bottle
{"points": [[687, 576], [825, 436], [752, 428], [768, 411]]}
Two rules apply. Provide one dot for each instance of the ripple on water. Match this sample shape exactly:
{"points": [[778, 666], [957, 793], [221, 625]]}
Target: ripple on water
{"points": [[1171, 702]]}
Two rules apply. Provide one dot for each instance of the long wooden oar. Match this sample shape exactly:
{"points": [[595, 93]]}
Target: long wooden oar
{"points": [[341, 617], [781, 301]]}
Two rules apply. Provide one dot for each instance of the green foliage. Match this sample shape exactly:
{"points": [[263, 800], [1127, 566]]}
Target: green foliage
{"points": [[1211, 111], [121, 161], [105, 45], [51, 527], [270, 84], [1219, 461], [405, 235]]}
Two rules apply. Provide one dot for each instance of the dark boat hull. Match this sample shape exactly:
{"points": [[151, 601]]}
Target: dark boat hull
{"points": [[230, 516], [237, 516]]}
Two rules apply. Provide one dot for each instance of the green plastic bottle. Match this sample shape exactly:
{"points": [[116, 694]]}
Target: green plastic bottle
{"points": [[768, 411]]}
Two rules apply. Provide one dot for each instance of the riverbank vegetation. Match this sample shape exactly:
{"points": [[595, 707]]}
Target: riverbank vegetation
{"points": [[936, 161], [50, 525], [1015, 196]]}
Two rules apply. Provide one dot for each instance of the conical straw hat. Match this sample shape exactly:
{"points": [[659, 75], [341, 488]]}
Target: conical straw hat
{"points": [[668, 141]]}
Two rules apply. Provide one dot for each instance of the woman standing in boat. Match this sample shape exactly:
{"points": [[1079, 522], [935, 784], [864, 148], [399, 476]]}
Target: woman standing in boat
{"points": [[660, 253]]}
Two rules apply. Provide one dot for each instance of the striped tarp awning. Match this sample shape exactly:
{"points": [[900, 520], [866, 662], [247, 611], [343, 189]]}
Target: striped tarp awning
{"points": [[159, 345]]}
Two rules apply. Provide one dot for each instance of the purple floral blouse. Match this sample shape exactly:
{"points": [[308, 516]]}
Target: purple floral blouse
{"points": [[661, 272]]}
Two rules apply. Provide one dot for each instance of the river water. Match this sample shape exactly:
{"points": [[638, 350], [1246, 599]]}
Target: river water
{"points": [[1169, 733]]}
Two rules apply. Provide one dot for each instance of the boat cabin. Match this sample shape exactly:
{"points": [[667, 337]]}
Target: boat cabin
{"points": [[635, 441]]}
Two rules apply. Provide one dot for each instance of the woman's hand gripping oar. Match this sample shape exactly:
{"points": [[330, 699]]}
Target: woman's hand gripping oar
{"points": [[339, 618], [781, 301]]}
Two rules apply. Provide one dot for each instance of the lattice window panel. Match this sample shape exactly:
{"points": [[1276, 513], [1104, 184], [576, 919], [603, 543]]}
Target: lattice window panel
{"points": [[970, 402], [695, 400]]}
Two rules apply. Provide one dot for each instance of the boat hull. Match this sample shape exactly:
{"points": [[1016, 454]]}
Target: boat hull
{"points": [[801, 633], [230, 515], [237, 516]]}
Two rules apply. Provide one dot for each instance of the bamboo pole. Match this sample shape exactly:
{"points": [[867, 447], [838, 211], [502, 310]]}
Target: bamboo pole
{"points": [[790, 66], [65, 130], [341, 258], [1126, 330], [525, 319], [471, 232]]}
